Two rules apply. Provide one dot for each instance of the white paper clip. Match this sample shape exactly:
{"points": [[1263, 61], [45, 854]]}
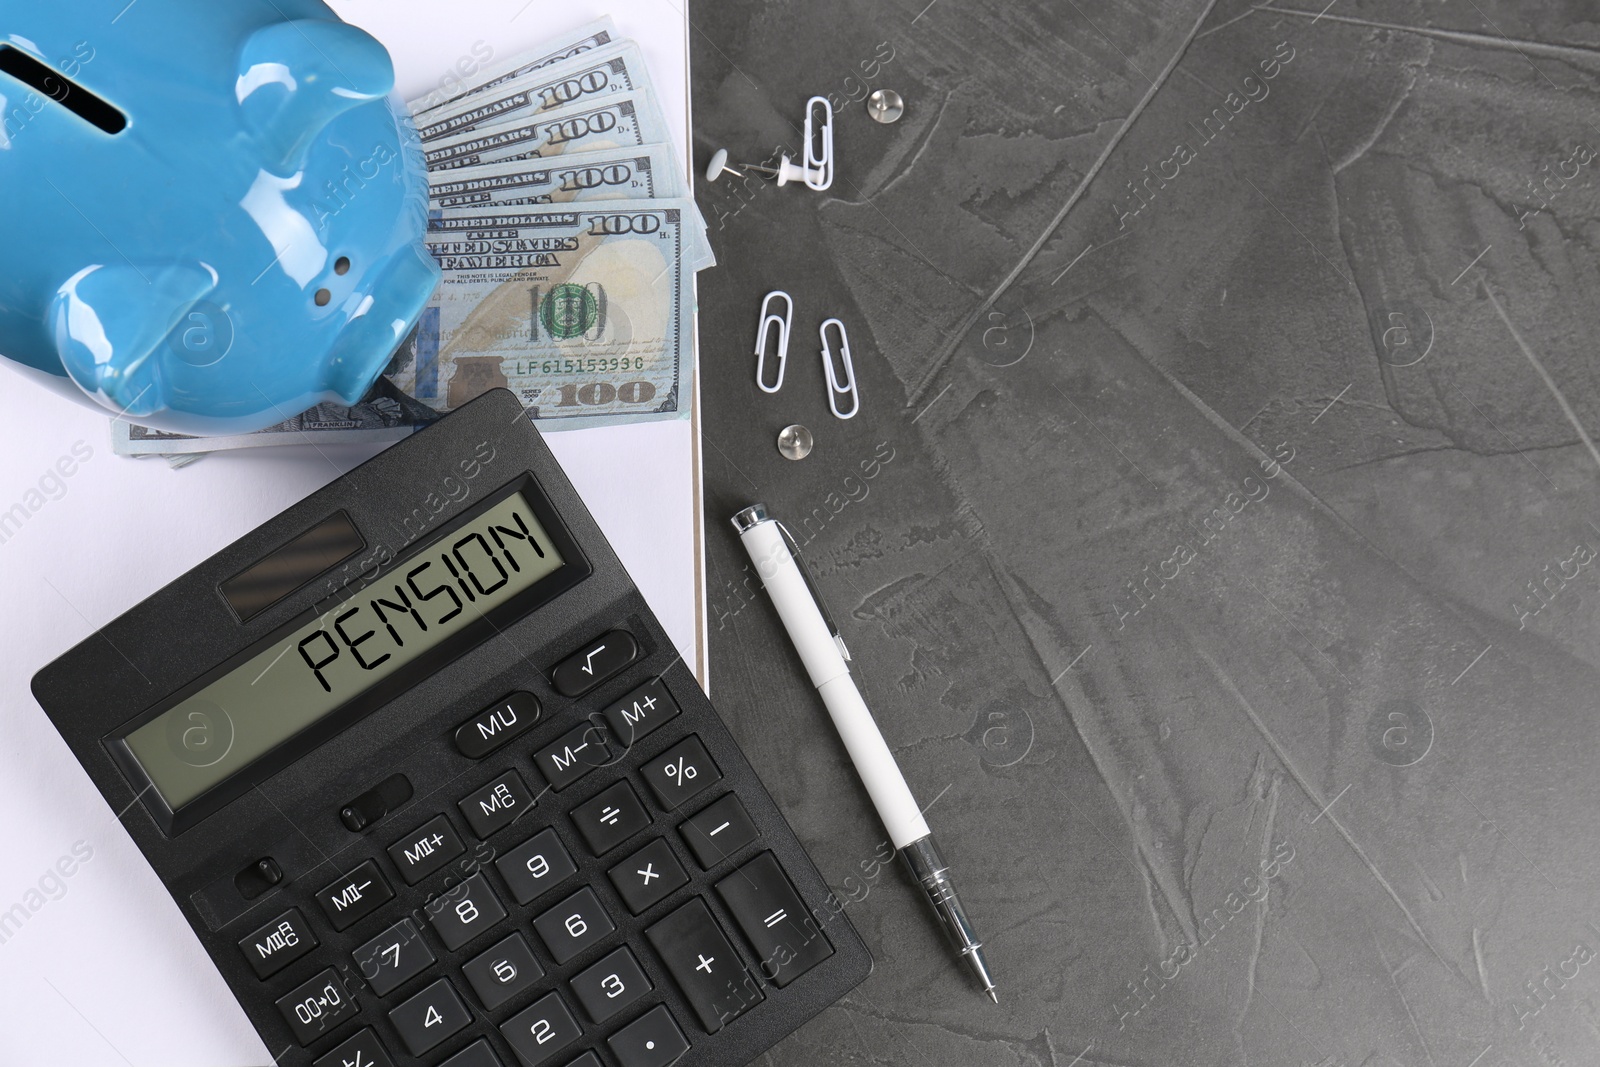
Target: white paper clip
{"points": [[836, 390], [783, 322], [819, 155]]}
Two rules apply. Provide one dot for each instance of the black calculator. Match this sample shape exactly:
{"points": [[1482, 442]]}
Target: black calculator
{"points": [[433, 787]]}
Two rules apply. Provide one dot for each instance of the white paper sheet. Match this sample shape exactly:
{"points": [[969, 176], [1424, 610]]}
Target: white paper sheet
{"points": [[99, 968]]}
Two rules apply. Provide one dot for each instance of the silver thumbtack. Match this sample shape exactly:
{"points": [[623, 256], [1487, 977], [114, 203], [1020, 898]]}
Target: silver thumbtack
{"points": [[885, 105], [795, 442]]}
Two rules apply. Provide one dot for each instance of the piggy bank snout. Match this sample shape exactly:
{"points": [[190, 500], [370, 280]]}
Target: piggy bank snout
{"points": [[386, 303]]}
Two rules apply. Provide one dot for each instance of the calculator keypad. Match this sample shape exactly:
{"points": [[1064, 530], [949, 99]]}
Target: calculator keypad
{"points": [[704, 964], [464, 912], [278, 944], [542, 1030], [477, 1054], [685, 771], [430, 1016], [594, 663], [494, 806], [313, 1008], [573, 925], [653, 1040], [576, 989], [610, 985], [355, 896], [648, 876], [426, 849], [503, 971], [393, 958], [536, 866], [363, 1049], [610, 818]]}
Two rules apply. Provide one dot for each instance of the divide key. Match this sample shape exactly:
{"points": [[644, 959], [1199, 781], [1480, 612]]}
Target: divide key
{"points": [[497, 724]]}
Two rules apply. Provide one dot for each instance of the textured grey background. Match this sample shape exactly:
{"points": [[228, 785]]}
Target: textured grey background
{"points": [[1253, 528]]}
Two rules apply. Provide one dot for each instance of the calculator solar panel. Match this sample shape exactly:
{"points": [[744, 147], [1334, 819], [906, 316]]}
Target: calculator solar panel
{"points": [[433, 787]]}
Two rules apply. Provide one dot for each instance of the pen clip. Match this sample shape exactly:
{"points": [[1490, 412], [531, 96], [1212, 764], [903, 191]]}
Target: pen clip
{"points": [[816, 594]]}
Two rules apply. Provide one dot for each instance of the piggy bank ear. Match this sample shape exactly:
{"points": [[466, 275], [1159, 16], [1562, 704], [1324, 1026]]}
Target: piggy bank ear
{"points": [[296, 77], [111, 324]]}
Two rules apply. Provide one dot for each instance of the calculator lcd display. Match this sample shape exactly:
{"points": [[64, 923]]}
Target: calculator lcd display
{"points": [[319, 666]]}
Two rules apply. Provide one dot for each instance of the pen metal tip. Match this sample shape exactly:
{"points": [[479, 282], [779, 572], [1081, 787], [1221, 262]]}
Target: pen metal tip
{"points": [[992, 996]]}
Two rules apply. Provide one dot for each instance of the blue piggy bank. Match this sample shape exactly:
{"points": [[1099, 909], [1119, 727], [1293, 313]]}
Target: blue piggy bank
{"points": [[213, 213]]}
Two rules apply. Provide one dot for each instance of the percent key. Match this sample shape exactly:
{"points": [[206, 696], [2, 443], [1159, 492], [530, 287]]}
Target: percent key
{"points": [[683, 771]]}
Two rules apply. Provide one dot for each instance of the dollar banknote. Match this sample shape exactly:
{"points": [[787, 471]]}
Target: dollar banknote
{"points": [[596, 34], [383, 415], [621, 120], [617, 68], [584, 311], [647, 173]]}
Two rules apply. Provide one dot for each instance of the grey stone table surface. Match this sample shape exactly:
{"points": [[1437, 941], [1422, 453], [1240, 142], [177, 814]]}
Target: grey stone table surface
{"points": [[1217, 540]]}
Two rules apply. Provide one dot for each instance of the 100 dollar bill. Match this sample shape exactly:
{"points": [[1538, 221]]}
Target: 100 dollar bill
{"points": [[596, 34], [586, 313], [605, 71], [646, 173], [629, 120]]}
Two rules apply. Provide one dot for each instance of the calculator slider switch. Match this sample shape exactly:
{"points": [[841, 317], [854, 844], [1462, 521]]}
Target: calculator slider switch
{"points": [[594, 663], [258, 877], [375, 803], [497, 724]]}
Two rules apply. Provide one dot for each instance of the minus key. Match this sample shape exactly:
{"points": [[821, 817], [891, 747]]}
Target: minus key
{"points": [[719, 831]]}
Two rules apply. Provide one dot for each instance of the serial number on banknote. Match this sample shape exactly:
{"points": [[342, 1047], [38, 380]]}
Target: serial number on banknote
{"points": [[580, 366]]}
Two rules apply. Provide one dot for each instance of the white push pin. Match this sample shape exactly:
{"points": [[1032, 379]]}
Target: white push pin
{"points": [[774, 325], [719, 166], [816, 165], [835, 388], [786, 172]]}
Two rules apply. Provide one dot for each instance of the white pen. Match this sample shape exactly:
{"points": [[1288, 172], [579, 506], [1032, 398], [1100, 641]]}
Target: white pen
{"points": [[825, 656]]}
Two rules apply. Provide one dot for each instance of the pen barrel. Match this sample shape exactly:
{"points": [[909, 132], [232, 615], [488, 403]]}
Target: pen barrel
{"points": [[875, 763], [780, 574]]}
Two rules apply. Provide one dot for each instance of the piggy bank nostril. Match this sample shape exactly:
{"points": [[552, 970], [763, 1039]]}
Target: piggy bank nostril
{"points": [[322, 298], [342, 267]]}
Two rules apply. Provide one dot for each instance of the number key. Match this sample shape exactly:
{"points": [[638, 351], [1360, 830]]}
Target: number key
{"points": [[610, 985], [502, 972], [464, 912], [536, 865], [430, 1017], [393, 958], [541, 1030], [573, 925]]}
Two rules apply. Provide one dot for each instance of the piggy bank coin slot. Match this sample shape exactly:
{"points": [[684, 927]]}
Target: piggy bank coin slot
{"points": [[63, 90]]}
